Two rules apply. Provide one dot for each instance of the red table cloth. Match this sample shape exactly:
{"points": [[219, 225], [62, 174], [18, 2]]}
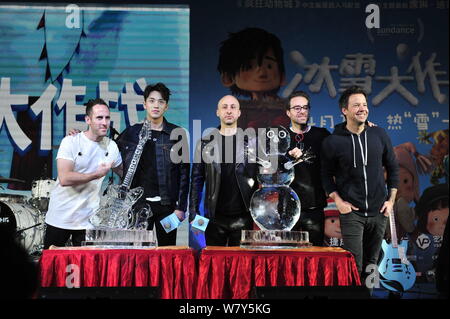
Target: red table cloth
{"points": [[173, 269], [232, 272]]}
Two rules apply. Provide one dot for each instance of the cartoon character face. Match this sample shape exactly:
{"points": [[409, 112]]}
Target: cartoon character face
{"points": [[436, 221], [406, 185], [277, 141], [332, 228], [260, 77]]}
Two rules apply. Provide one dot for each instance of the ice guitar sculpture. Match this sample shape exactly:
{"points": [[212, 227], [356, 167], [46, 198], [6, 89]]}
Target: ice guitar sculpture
{"points": [[116, 221]]}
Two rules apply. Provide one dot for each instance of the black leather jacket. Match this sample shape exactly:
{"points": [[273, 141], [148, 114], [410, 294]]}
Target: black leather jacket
{"points": [[207, 172], [173, 178]]}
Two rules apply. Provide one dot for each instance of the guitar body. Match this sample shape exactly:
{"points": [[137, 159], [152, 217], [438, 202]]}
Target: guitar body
{"points": [[115, 210], [116, 207], [396, 273]]}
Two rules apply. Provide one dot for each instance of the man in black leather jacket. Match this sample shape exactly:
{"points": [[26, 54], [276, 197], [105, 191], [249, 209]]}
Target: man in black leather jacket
{"points": [[165, 181], [222, 166]]}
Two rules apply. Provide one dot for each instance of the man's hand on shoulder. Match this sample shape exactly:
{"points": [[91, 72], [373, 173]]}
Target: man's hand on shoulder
{"points": [[73, 132]]}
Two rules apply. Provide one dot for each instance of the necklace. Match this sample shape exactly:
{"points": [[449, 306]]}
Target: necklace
{"points": [[300, 136]]}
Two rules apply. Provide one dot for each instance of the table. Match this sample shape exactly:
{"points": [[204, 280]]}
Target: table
{"points": [[171, 268], [232, 272], [221, 272]]}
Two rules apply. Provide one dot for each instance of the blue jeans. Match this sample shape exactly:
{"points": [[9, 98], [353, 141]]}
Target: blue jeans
{"points": [[362, 237]]}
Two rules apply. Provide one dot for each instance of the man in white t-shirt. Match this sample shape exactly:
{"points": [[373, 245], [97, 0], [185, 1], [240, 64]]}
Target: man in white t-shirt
{"points": [[83, 161]]}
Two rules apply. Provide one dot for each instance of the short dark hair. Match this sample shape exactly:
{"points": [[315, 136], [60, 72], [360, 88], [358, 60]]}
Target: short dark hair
{"points": [[159, 87], [90, 104], [296, 94], [343, 100], [241, 47]]}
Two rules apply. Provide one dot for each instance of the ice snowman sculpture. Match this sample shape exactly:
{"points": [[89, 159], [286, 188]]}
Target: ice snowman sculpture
{"points": [[275, 206]]}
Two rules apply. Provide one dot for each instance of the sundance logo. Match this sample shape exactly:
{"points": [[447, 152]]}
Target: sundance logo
{"points": [[375, 29]]}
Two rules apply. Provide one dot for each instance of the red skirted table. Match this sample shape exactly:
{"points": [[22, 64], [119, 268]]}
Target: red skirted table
{"points": [[173, 269], [232, 272]]}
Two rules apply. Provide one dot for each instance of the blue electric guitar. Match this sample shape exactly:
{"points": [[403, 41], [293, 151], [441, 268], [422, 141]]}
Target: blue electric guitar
{"points": [[396, 272]]}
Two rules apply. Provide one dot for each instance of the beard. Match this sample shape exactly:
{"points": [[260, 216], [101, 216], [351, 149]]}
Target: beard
{"points": [[302, 124]]}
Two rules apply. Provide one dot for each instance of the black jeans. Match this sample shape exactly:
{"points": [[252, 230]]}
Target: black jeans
{"points": [[362, 237], [226, 230], [59, 236], [159, 212], [312, 221]]}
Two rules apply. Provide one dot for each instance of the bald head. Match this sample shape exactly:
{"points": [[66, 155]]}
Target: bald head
{"points": [[228, 110], [228, 100]]}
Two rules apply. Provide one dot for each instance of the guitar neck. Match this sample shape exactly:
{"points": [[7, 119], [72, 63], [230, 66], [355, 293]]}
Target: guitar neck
{"points": [[144, 136], [394, 239]]}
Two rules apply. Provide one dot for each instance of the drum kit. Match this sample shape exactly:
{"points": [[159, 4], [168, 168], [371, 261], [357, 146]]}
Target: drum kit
{"points": [[25, 216]]}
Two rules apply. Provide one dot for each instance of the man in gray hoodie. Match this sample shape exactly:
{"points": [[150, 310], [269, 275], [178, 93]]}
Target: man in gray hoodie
{"points": [[353, 158]]}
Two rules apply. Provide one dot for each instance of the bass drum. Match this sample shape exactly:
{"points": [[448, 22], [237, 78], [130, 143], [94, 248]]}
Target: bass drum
{"points": [[24, 222]]}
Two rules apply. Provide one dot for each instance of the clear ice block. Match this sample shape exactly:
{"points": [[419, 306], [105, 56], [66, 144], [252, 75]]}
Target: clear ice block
{"points": [[274, 239], [103, 237]]}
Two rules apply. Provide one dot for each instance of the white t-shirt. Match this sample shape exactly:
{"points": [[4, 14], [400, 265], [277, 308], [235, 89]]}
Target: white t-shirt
{"points": [[71, 206]]}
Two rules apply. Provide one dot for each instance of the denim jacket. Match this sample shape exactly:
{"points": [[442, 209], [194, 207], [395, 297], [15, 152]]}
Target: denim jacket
{"points": [[173, 178]]}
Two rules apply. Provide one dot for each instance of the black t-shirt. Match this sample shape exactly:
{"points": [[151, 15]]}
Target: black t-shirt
{"points": [[307, 182], [146, 173], [230, 200]]}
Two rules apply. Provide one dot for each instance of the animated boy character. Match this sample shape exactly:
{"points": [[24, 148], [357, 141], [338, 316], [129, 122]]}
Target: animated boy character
{"points": [[332, 225], [251, 64]]}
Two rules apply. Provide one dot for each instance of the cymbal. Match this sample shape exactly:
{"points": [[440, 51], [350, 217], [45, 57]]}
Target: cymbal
{"points": [[10, 180]]}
